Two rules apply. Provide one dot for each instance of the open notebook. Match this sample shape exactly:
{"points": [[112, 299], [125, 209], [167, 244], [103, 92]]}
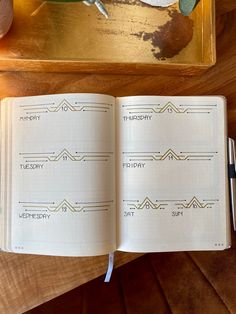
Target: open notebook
{"points": [[87, 174]]}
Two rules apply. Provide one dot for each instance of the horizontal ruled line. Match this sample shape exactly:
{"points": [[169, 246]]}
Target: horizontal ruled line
{"points": [[36, 112], [94, 152], [170, 200], [95, 210], [210, 105], [200, 159], [34, 105], [95, 159], [99, 202], [198, 152], [41, 160], [37, 153], [36, 210], [92, 102], [36, 202], [140, 112], [141, 159], [94, 110], [140, 152], [133, 105]]}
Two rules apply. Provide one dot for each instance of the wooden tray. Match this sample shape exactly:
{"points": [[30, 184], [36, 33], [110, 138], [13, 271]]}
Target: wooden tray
{"points": [[137, 38]]}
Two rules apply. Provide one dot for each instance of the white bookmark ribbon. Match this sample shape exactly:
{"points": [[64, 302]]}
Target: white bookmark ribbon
{"points": [[110, 267]]}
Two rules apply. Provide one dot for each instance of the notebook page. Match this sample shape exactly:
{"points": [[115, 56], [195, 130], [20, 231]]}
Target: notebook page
{"points": [[4, 187], [63, 183], [5, 170], [172, 168]]}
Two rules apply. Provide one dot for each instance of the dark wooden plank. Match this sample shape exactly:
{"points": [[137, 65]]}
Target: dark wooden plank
{"points": [[70, 302], [220, 270], [224, 6], [104, 298], [142, 293], [184, 286]]}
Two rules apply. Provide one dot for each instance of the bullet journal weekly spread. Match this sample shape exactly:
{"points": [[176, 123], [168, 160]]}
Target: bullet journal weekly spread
{"points": [[88, 174]]}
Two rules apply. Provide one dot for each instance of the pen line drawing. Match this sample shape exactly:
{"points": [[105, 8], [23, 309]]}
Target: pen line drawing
{"points": [[65, 206], [65, 106], [169, 107], [170, 154], [65, 155], [148, 204]]}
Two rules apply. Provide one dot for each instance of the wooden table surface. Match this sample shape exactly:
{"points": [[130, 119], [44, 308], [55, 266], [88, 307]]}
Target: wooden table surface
{"points": [[26, 280]]}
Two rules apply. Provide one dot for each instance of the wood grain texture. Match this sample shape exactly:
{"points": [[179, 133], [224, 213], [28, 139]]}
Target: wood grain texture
{"points": [[103, 298], [184, 286], [225, 6], [220, 271], [141, 290], [156, 284], [27, 280]]}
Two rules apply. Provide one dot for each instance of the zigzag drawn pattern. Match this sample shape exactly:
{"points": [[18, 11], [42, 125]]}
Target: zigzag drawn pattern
{"points": [[65, 105], [165, 204], [66, 206], [170, 154], [65, 155], [169, 107]]}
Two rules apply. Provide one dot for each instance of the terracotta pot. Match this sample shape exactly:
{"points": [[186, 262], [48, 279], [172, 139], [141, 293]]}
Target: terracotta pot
{"points": [[6, 16]]}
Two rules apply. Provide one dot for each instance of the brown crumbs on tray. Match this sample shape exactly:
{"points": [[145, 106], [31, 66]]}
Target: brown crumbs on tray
{"points": [[171, 37]]}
